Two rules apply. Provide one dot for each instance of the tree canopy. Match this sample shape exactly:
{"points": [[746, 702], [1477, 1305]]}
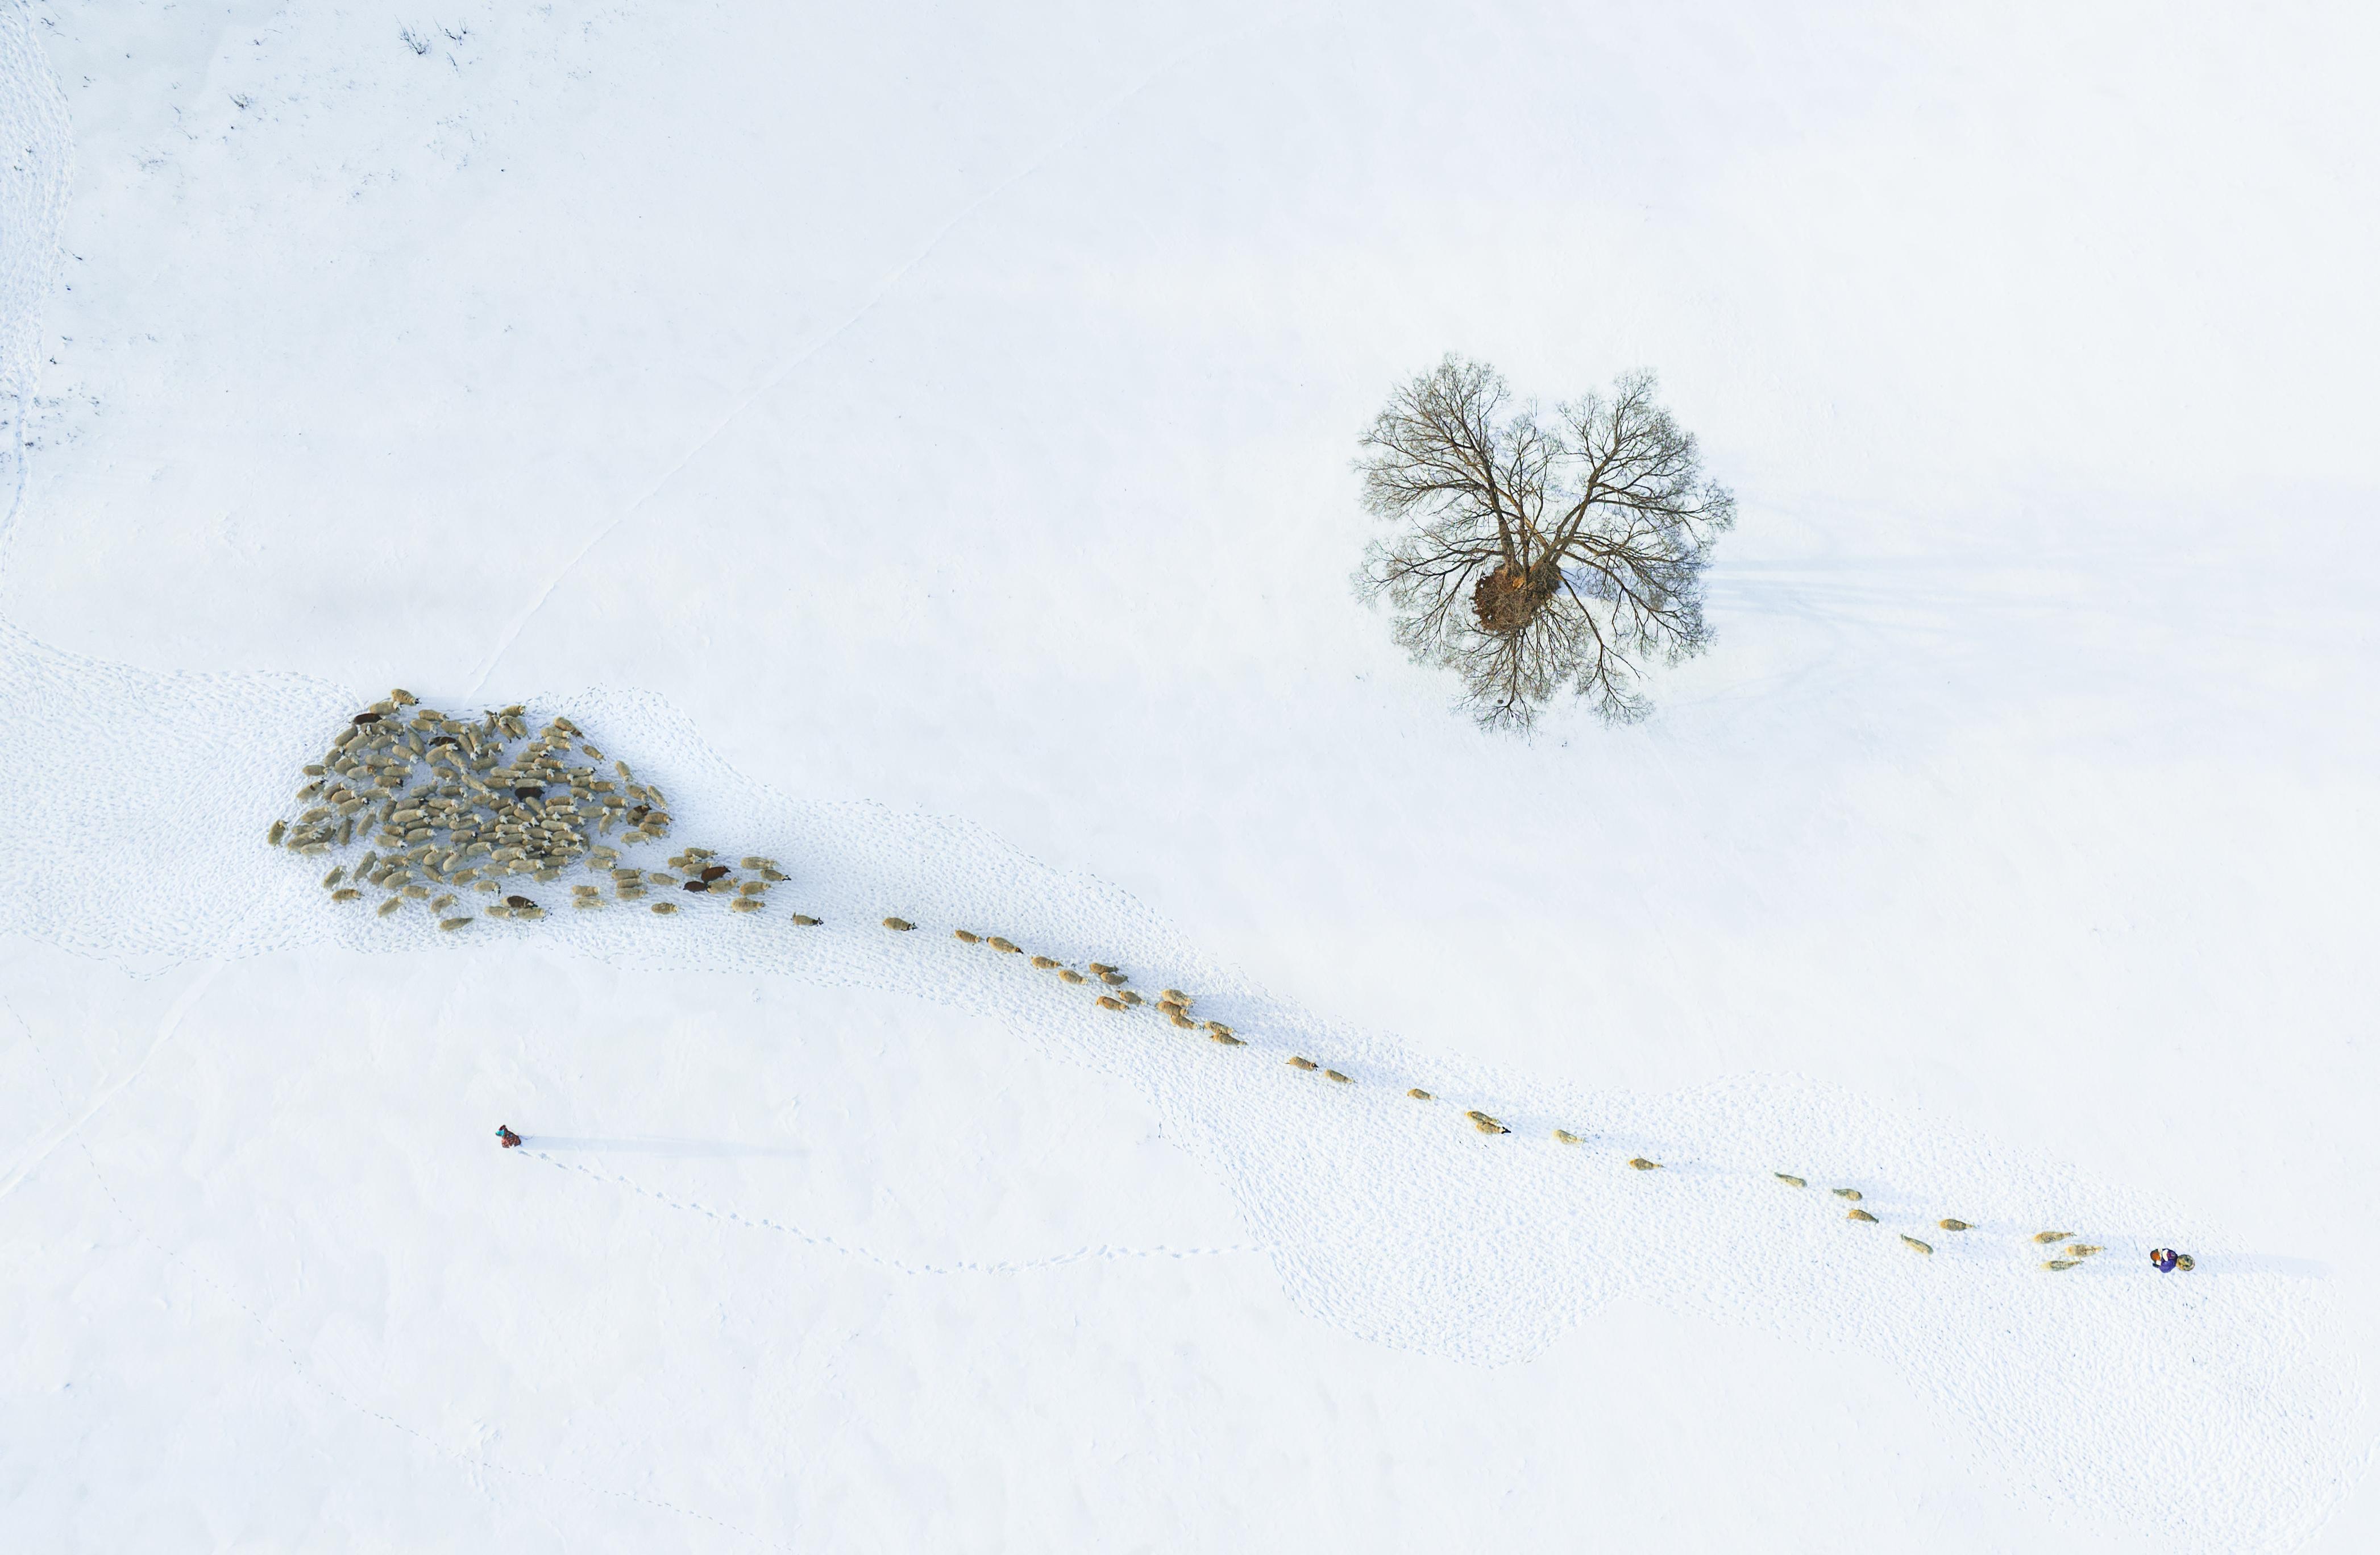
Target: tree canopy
{"points": [[1533, 553]]}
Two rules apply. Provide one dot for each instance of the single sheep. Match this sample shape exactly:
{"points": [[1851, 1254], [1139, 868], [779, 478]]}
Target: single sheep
{"points": [[901, 924], [1566, 1137], [1856, 1213], [1954, 1226], [1304, 1064], [1420, 1095], [1334, 1074], [1107, 1003], [807, 921], [2048, 1236], [1916, 1245], [1788, 1177], [1852, 1194], [1641, 1164]]}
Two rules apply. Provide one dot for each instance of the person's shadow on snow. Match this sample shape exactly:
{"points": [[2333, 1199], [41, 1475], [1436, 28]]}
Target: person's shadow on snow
{"points": [[652, 1147]]}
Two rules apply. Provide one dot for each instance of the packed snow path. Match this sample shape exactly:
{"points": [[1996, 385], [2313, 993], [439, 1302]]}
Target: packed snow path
{"points": [[1390, 1218]]}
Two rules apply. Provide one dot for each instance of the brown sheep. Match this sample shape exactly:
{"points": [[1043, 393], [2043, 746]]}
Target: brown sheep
{"points": [[1226, 1039], [1183, 1021], [1068, 975], [1641, 1164], [998, 943], [1489, 1125], [1858, 1214], [900, 925], [1113, 979], [963, 937], [1420, 1095], [1954, 1226], [1304, 1064], [1107, 1003], [1042, 963]]}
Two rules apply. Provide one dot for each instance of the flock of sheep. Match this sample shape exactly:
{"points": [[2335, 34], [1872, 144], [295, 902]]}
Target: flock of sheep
{"points": [[463, 808], [459, 808]]}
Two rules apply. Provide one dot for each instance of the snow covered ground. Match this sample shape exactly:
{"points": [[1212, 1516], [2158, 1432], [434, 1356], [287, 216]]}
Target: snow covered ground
{"points": [[919, 440]]}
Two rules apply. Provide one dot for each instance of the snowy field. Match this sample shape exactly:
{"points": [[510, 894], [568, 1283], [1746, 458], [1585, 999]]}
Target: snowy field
{"points": [[920, 440]]}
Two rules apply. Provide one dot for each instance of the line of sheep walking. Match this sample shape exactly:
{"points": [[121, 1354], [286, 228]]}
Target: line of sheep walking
{"points": [[466, 805]]}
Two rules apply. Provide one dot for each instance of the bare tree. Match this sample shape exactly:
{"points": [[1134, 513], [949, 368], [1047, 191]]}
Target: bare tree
{"points": [[1530, 555]]}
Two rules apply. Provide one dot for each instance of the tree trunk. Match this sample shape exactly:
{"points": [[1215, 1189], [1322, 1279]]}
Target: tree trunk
{"points": [[1509, 598]]}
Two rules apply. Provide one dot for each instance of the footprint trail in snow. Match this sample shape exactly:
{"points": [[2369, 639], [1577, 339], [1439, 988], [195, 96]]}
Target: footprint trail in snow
{"points": [[2219, 1403]]}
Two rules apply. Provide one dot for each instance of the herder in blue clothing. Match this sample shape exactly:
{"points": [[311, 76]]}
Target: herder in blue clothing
{"points": [[507, 1136], [2167, 1260]]}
